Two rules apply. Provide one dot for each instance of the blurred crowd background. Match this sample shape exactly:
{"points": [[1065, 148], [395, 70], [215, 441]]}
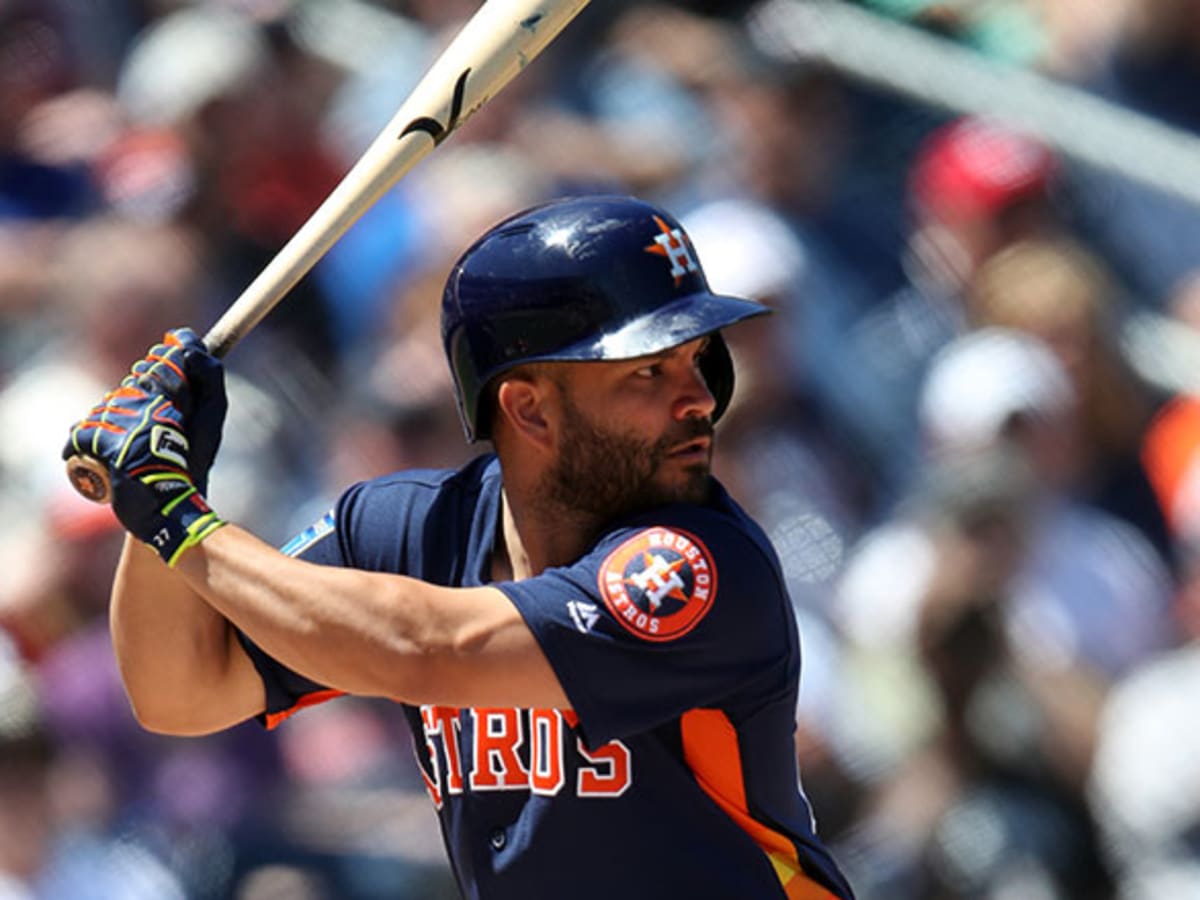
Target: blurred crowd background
{"points": [[972, 427]]}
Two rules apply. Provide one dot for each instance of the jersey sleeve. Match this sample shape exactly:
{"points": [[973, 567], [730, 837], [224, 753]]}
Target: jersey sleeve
{"points": [[288, 691], [684, 613]]}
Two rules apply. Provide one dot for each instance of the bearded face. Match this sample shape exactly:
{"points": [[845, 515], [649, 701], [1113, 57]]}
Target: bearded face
{"points": [[607, 473]]}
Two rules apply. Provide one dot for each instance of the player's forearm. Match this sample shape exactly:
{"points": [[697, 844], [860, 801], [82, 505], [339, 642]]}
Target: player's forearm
{"points": [[373, 633], [354, 631], [177, 656]]}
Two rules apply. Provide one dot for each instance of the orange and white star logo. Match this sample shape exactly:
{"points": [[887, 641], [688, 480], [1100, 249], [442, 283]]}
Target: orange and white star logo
{"points": [[659, 579], [674, 245], [659, 583]]}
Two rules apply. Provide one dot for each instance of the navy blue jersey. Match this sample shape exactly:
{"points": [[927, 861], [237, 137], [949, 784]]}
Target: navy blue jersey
{"points": [[674, 772]]}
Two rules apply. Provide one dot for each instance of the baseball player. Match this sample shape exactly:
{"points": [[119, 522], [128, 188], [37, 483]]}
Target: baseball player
{"points": [[591, 641]]}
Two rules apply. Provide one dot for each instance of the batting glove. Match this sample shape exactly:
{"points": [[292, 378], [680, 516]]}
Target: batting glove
{"points": [[182, 369], [140, 430]]}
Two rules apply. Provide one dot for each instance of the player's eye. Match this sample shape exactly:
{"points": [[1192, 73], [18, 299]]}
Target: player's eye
{"points": [[653, 370]]}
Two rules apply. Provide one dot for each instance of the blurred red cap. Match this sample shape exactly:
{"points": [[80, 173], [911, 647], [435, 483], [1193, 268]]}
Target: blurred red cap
{"points": [[973, 167]]}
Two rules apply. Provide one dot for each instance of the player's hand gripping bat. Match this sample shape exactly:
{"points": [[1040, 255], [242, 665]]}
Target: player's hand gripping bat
{"points": [[497, 43]]}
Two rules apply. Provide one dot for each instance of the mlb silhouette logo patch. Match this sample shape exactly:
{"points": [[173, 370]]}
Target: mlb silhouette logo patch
{"points": [[659, 583]]}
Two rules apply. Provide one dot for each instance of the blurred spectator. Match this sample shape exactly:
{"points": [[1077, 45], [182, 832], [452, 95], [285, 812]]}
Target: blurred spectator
{"points": [[1060, 36], [247, 102], [35, 66], [107, 275], [49, 132], [1059, 292], [1151, 237], [1145, 786], [385, 54], [52, 847], [973, 189], [633, 117], [1156, 61], [996, 385], [1015, 608], [1003, 773], [983, 625], [1080, 34], [50, 560], [28, 753], [1088, 591]]}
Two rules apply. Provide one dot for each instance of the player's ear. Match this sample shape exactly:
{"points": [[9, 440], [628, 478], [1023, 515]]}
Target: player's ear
{"points": [[522, 405]]}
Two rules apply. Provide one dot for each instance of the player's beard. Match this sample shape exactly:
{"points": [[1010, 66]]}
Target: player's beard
{"points": [[605, 473]]}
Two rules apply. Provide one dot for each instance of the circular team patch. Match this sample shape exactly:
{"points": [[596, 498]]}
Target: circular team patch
{"points": [[659, 583]]}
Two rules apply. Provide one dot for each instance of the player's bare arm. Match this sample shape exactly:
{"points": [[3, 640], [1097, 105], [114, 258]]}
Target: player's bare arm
{"points": [[183, 668], [186, 672], [375, 634]]}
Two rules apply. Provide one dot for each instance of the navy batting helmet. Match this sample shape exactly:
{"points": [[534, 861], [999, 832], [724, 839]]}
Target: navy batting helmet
{"points": [[587, 278]]}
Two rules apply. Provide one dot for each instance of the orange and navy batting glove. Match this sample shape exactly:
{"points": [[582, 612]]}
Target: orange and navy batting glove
{"points": [[158, 432]]}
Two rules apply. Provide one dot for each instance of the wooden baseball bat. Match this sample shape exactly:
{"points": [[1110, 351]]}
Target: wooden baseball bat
{"points": [[497, 42]]}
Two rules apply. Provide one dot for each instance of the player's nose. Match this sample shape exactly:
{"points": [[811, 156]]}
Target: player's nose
{"points": [[694, 398]]}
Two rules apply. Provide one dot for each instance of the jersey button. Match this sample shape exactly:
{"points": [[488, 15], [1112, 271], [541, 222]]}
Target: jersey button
{"points": [[498, 839]]}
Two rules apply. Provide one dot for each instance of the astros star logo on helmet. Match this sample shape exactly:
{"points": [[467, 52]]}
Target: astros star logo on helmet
{"points": [[659, 583], [674, 245]]}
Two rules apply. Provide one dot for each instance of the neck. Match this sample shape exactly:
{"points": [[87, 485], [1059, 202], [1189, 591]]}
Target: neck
{"points": [[536, 537]]}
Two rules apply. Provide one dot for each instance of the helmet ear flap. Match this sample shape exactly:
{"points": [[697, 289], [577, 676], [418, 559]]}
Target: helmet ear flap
{"points": [[717, 367]]}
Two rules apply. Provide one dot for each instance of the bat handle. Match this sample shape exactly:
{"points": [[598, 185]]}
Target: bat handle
{"points": [[89, 477]]}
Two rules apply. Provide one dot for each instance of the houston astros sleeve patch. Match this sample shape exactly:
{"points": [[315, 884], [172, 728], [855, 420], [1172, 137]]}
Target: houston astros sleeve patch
{"points": [[659, 583]]}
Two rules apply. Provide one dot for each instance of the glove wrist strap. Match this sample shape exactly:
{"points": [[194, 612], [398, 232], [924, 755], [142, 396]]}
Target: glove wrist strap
{"points": [[197, 531], [181, 523]]}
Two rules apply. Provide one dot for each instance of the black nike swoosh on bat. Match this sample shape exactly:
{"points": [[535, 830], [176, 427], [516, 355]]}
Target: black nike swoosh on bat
{"points": [[432, 126]]}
